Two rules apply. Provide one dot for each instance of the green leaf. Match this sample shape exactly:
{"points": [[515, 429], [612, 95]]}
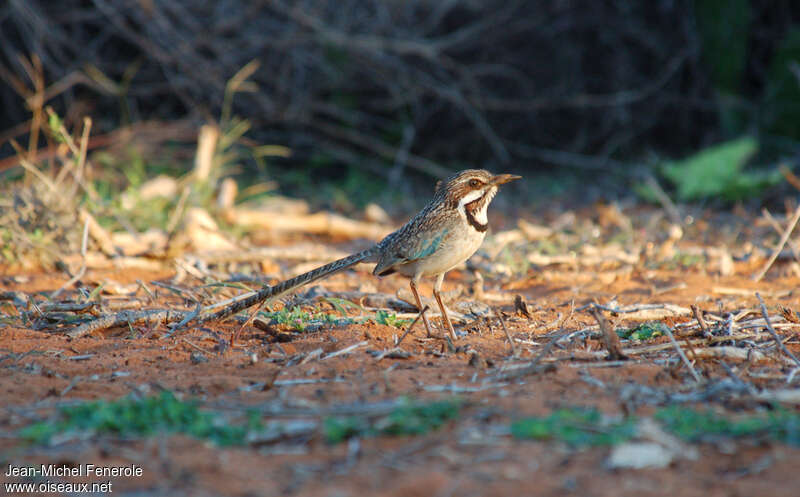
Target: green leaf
{"points": [[717, 172], [55, 124]]}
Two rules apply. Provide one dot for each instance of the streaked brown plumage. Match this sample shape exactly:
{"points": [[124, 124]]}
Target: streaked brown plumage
{"points": [[441, 236]]}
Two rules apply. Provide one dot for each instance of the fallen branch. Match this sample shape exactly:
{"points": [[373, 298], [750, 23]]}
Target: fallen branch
{"points": [[772, 331], [698, 315], [729, 352], [301, 253], [777, 250], [151, 317], [514, 351], [408, 330], [345, 350], [610, 337], [681, 354], [326, 223]]}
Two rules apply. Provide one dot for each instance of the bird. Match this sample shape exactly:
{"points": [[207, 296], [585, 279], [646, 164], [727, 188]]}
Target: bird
{"points": [[445, 233]]}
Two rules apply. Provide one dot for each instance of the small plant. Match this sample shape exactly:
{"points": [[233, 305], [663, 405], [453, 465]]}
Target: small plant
{"points": [[294, 317], [390, 319], [410, 418], [588, 427], [716, 171], [680, 260], [300, 320], [142, 417], [644, 331], [575, 427], [702, 426]]}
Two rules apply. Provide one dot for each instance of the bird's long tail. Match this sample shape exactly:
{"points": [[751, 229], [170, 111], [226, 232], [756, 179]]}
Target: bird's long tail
{"points": [[283, 287]]}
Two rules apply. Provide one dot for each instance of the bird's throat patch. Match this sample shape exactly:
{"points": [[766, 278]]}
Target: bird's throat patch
{"points": [[476, 212]]}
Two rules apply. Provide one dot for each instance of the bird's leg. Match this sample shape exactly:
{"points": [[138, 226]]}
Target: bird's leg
{"points": [[419, 306], [437, 287]]}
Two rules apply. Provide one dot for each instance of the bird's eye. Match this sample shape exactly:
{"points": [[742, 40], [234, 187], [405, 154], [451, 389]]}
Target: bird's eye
{"points": [[474, 183]]}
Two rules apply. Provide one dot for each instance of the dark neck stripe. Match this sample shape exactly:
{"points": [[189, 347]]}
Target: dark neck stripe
{"points": [[470, 208], [475, 224]]}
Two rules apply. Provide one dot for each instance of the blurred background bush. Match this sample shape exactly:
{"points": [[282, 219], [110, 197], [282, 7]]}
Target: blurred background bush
{"points": [[394, 89]]}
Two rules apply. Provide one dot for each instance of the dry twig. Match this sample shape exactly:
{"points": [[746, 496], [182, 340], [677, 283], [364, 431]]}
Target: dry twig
{"points": [[772, 331], [698, 315], [777, 250], [610, 337], [682, 355], [410, 326], [156, 316], [514, 351]]}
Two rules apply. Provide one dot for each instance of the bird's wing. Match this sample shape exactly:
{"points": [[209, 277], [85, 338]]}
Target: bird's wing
{"points": [[409, 247]]}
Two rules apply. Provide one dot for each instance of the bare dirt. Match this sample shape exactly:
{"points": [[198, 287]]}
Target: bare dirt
{"points": [[278, 371]]}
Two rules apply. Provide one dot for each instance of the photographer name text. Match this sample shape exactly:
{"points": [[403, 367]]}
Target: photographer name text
{"points": [[87, 470]]}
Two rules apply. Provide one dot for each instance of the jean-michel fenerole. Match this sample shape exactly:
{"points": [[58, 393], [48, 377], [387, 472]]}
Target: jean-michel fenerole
{"points": [[62, 470]]}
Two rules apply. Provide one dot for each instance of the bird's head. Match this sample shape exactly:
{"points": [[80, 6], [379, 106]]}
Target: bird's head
{"points": [[471, 191]]}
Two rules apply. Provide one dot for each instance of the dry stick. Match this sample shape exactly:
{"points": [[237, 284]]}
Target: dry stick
{"points": [[708, 352], [664, 200], [789, 176], [514, 351], [188, 317], [698, 315], [164, 316], [408, 330], [778, 229], [249, 320], [76, 307], [345, 350], [689, 346], [642, 307], [610, 337], [786, 234], [772, 331], [730, 352], [680, 353], [31, 168], [542, 353], [647, 349]]}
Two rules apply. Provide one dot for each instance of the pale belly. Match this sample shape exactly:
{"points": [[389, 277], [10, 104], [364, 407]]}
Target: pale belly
{"points": [[448, 256]]}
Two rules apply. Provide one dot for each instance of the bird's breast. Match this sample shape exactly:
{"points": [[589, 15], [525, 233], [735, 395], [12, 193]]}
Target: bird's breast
{"points": [[456, 248]]}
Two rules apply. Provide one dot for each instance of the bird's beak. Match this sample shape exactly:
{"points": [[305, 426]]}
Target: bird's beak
{"points": [[502, 179]]}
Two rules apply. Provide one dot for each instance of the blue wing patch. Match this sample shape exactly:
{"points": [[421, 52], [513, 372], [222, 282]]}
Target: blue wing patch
{"points": [[431, 248]]}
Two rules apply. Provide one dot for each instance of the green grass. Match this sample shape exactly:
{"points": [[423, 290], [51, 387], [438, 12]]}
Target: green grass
{"points": [[779, 425], [643, 331], [411, 418], [165, 414], [390, 319], [588, 427], [299, 320], [149, 416], [575, 427]]}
